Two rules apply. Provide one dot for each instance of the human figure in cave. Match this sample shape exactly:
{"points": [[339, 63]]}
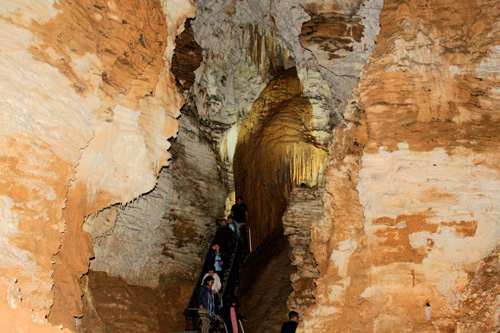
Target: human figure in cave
{"points": [[231, 225], [239, 212], [290, 326], [231, 315], [218, 259], [206, 303], [217, 284], [224, 237]]}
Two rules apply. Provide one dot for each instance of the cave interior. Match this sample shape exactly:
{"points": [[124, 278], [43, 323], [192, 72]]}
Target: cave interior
{"points": [[361, 134]]}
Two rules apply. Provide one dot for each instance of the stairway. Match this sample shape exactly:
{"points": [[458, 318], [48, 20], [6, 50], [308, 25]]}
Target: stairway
{"points": [[229, 280]]}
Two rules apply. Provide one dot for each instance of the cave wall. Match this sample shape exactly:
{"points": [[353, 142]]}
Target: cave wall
{"points": [[276, 151], [89, 103], [166, 232], [245, 44], [305, 206], [163, 235], [410, 207]]}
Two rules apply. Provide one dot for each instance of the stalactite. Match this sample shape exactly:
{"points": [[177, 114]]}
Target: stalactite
{"points": [[276, 151]]}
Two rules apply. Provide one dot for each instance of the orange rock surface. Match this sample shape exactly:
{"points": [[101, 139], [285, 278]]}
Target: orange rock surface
{"points": [[409, 208], [90, 103], [275, 151]]}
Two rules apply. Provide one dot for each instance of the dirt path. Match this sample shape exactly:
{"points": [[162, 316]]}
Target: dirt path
{"points": [[265, 285]]}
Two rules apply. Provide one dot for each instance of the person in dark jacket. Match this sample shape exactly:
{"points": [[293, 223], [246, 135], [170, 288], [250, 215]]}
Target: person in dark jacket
{"points": [[290, 326], [206, 303], [239, 212], [231, 315], [218, 259], [224, 237]]}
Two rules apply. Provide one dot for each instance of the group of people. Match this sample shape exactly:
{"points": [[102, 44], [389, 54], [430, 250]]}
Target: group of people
{"points": [[230, 231]]}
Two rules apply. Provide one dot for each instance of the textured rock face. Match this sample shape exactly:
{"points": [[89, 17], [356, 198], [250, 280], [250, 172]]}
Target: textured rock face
{"points": [[410, 205], [166, 231], [89, 102], [247, 43], [305, 207], [187, 58], [276, 150]]}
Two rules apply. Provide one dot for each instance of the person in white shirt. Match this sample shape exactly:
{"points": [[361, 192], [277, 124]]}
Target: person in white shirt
{"points": [[217, 284]]}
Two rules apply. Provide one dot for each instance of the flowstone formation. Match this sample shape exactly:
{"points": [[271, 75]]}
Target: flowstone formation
{"points": [[166, 232], [160, 239], [276, 151], [89, 103], [411, 228]]}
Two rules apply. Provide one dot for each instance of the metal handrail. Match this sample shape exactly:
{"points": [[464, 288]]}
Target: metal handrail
{"points": [[210, 313], [200, 278], [191, 305], [235, 259]]}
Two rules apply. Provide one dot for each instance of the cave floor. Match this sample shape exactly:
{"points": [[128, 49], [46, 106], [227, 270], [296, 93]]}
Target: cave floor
{"points": [[265, 285]]}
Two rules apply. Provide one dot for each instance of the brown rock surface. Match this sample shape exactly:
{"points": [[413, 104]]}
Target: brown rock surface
{"points": [[479, 303], [112, 305], [304, 208], [265, 285], [187, 58], [90, 103], [331, 33], [409, 207]]}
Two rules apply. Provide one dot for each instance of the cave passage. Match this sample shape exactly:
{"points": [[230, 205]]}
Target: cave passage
{"points": [[276, 151]]}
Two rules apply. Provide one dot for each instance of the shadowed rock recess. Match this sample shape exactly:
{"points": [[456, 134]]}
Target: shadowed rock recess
{"points": [[365, 131]]}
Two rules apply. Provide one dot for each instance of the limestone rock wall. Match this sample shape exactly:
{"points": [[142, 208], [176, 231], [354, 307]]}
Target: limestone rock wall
{"points": [[305, 207], [410, 207], [88, 103], [165, 232]]}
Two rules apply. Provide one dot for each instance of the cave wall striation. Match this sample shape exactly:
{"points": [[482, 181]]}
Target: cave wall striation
{"points": [[305, 206], [411, 227], [164, 233], [88, 103]]}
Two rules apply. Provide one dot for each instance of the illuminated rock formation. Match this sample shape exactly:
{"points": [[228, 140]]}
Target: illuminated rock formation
{"points": [[260, 38], [276, 150], [89, 104], [410, 207], [409, 230]]}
